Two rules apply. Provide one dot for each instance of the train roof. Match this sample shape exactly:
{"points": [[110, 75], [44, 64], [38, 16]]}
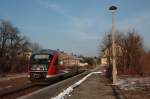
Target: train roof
{"points": [[46, 51]]}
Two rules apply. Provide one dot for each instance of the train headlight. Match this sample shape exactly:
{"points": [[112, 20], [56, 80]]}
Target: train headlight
{"points": [[37, 68]]}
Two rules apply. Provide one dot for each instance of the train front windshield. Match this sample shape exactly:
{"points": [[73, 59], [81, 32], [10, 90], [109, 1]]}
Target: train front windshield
{"points": [[40, 62]]}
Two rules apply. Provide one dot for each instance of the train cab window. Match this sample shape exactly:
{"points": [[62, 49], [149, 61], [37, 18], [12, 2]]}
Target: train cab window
{"points": [[41, 58]]}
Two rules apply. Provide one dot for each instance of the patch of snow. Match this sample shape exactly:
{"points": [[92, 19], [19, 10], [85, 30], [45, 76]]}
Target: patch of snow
{"points": [[100, 72], [67, 91], [133, 83]]}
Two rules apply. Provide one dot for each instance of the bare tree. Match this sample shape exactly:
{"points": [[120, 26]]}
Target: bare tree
{"points": [[35, 46], [133, 45], [129, 49], [11, 45], [5, 30]]}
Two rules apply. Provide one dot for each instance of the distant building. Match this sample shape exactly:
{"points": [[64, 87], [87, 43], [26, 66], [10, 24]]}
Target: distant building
{"points": [[107, 52], [28, 53], [69, 60]]}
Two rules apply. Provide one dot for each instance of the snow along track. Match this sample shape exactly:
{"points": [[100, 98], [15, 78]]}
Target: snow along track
{"points": [[67, 91]]}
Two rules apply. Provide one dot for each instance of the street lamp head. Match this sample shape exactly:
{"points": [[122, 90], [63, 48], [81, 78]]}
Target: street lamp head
{"points": [[112, 8]]}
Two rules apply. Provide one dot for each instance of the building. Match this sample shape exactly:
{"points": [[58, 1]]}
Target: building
{"points": [[106, 54], [69, 60]]}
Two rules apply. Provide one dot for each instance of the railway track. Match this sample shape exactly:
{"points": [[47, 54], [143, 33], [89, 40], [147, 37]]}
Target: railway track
{"points": [[18, 91], [14, 92]]}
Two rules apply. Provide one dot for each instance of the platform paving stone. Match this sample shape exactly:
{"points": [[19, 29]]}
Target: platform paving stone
{"points": [[96, 87]]}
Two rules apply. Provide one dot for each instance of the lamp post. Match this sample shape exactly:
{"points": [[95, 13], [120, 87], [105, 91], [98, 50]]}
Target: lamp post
{"points": [[114, 69]]}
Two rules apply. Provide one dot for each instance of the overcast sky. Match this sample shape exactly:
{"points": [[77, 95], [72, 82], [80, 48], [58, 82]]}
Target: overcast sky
{"points": [[75, 25]]}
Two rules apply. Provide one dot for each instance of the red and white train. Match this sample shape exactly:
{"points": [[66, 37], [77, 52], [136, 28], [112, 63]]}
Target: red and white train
{"points": [[46, 65]]}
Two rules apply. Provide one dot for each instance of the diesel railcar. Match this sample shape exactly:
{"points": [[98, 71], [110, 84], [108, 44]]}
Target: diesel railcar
{"points": [[47, 65]]}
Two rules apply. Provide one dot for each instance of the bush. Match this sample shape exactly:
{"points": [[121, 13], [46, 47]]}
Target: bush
{"points": [[14, 65], [145, 63]]}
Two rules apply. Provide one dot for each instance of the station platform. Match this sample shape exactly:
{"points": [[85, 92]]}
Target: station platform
{"points": [[92, 85], [95, 86]]}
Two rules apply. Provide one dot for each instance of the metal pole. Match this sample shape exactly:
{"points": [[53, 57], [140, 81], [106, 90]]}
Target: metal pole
{"points": [[114, 70]]}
